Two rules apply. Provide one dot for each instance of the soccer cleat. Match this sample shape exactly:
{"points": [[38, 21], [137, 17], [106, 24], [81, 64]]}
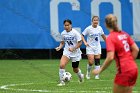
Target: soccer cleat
{"points": [[87, 76], [62, 83], [97, 77], [81, 78]]}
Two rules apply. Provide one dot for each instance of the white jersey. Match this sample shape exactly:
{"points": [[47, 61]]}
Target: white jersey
{"points": [[71, 39], [93, 35]]}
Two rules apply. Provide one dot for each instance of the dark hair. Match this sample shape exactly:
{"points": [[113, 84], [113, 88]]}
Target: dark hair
{"points": [[94, 17], [111, 22], [67, 20]]}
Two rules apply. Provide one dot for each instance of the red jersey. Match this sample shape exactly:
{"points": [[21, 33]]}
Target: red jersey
{"points": [[119, 43]]}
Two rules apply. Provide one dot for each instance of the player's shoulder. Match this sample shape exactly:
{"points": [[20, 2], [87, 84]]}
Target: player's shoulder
{"points": [[63, 32], [89, 27], [99, 27], [75, 31], [114, 34], [124, 32], [111, 35]]}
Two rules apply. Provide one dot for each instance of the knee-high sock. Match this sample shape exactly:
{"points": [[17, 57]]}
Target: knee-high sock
{"points": [[89, 67], [61, 71], [79, 73]]}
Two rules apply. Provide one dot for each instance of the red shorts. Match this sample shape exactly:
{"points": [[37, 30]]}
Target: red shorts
{"points": [[126, 78]]}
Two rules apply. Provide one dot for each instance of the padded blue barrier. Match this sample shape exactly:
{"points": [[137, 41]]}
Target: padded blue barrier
{"points": [[37, 24]]}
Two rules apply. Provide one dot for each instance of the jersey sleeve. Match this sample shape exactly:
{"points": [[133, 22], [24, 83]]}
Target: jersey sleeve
{"points": [[102, 32], [61, 37], [109, 44], [78, 36], [130, 40]]}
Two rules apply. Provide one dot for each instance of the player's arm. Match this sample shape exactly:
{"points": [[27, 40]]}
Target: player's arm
{"points": [[79, 43], [60, 46], [83, 39], [133, 47], [104, 37], [134, 50]]}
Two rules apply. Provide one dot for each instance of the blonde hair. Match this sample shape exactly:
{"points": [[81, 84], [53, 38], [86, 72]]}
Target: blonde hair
{"points": [[111, 22]]}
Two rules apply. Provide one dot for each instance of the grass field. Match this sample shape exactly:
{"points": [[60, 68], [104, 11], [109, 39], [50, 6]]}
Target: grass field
{"points": [[41, 76]]}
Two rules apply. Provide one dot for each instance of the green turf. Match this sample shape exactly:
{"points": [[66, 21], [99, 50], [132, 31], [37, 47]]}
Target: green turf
{"points": [[41, 76]]}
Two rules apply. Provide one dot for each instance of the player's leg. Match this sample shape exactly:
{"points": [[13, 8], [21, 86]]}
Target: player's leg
{"points": [[122, 89], [125, 81], [89, 65], [76, 69], [64, 60], [97, 64]]}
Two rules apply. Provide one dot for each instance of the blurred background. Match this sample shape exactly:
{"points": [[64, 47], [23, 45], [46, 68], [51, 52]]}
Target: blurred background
{"points": [[30, 29]]}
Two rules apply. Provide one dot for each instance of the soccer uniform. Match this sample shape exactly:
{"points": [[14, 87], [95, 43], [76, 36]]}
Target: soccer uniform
{"points": [[93, 39], [71, 38], [120, 43]]}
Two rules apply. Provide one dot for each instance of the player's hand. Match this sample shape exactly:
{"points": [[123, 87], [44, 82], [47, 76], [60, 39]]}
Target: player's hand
{"points": [[57, 48], [95, 71], [86, 44], [71, 49]]}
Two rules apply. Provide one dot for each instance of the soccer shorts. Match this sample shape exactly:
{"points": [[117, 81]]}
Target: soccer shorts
{"points": [[74, 59], [76, 56], [127, 78], [93, 50]]}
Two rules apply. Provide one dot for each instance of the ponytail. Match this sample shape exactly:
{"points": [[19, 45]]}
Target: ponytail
{"points": [[111, 22]]}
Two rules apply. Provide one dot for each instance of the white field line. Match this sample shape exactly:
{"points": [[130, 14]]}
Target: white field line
{"points": [[6, 87]]}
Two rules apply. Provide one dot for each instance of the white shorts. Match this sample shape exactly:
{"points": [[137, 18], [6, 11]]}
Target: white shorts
{"points": [[73, 58], [93, 50]]}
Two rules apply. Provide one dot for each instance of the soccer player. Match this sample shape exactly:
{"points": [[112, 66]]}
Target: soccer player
{"points": [[121, 47], [72, 41], [93, 46]]}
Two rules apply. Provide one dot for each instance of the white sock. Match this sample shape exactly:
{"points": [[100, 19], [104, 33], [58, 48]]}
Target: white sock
{"points": [[61, 71], [89, 68], [79, 73], [97, 67]]}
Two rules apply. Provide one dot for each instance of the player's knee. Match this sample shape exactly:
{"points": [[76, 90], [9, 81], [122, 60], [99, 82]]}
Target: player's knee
{"points": [[62, 66], [75, 70], [90, 63], [97, 62], [75, 66]]}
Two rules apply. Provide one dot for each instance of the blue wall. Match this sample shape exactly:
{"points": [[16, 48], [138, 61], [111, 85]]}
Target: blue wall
{"points": [[37, 24]]}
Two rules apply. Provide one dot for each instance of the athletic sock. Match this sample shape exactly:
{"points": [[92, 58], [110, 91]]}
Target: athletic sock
{"points": [[61, 71], [79, 73], [89, 68]]}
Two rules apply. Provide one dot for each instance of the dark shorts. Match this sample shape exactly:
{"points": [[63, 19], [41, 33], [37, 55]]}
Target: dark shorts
{"points": [[75, 64], [127, 78]]}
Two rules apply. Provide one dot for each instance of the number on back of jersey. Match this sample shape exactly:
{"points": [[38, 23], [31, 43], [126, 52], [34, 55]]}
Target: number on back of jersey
{"points": [[126, 45]]}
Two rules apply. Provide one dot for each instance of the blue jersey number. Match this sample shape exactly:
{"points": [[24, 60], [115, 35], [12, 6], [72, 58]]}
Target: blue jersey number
{"points": [[96, 38], [69, 43]]}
